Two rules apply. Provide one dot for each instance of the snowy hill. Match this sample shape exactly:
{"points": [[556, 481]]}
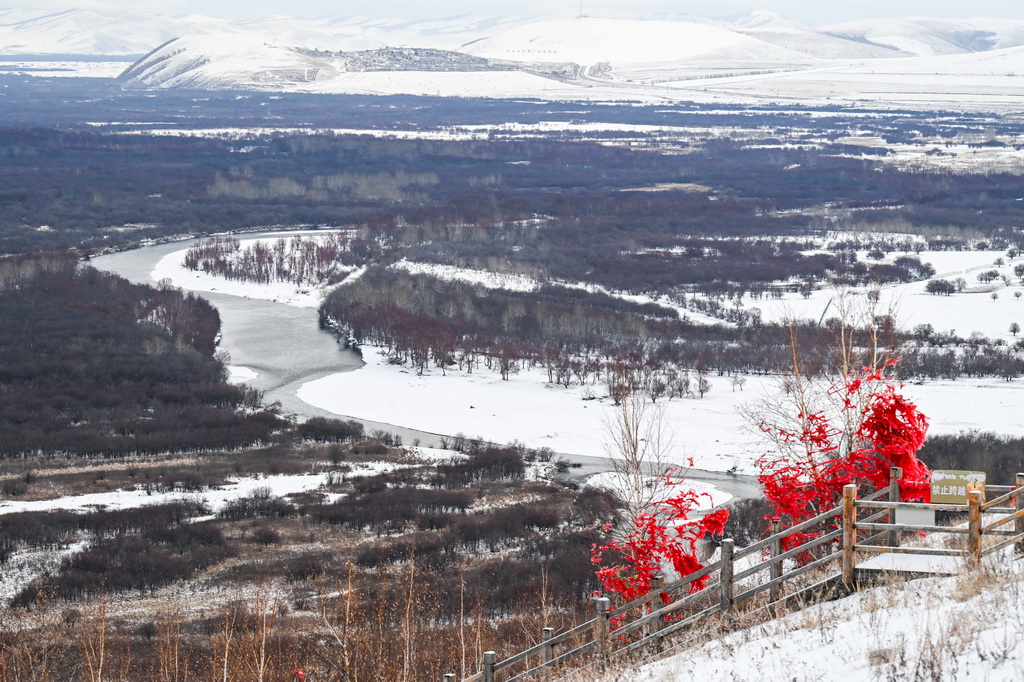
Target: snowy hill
{"points": [[590, 41], [237, 61], [87, 32], [928, 37]]}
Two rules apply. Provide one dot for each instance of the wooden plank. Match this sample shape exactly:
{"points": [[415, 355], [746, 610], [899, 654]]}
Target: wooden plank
{"points": [[569, 655], [1019, 506], [795, 573], [974, 526], [474, 678], [817, 563], [961, 508], [1002, 522], [1002, 544], [816, 542], [906, 526], [895, 476], [802, 526], [850, 532], [601, 630], [656, 603], [996, 501], [490, 658], [775, 567], [520, 657], [689, 620], [928, 551], [547, 650], [671, 587], [726, 583], [884, 514], [884, 535], [668, 610], [880, 493], [760, 544]]}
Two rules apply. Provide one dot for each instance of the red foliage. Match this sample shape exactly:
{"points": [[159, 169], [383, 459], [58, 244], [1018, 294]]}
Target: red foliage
{"points": [[663, 537], [892, 429]]}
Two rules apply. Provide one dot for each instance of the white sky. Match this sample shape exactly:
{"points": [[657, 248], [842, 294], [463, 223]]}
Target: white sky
{"points": [[818, 12]]}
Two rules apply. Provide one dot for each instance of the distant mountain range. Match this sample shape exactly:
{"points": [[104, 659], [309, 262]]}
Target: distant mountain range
{"points": [[751, 56]]}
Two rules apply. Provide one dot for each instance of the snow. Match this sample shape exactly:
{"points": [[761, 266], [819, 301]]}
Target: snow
{"points": [[279, 485], [710, 430], [484, 278], [62, 68], [915, 563], [710, 496], [972, 311], [527, 409], [170, 268], [240, 375], [588, 40], [960, 627]]}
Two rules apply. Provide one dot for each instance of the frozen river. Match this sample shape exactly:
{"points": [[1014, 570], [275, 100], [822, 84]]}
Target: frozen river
{"points": [[285, 347]]}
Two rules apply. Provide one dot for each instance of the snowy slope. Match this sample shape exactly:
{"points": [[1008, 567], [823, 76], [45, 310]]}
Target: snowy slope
{"points": [[89, 32], [620, 41], [963, 627], [813, 43], [239, 61], [925, 37], [984, 80]]}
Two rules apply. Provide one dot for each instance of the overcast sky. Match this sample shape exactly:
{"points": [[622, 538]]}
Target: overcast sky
{"points": [[807, 11]]}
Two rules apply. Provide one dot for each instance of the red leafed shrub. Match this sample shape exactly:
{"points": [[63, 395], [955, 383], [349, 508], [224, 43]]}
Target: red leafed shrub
{"points": [[891, 430], [664, 537]]}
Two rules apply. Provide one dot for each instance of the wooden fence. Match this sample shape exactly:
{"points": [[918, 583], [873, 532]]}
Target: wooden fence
{"points": [[859, 527]]}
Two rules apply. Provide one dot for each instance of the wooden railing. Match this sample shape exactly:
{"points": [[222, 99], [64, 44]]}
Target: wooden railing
{"points": [[671, 608]]}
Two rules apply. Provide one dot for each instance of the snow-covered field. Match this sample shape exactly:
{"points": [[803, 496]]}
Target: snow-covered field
{"points": [[709, 430], [972, 311], [63, 69]]}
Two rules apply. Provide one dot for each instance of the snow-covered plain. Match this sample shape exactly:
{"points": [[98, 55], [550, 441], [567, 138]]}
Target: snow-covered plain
{"points": [[63, 69], [709, 430], [972, 311]]}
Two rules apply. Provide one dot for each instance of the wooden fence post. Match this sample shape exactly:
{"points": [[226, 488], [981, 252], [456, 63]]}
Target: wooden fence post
{"points": [[775, 570], [656, 602], [895, 474], [602, 630], [547, 652], [725, 583], [449, 677], [849, 533], [974, 526], [490, 658], [1018, 506]]}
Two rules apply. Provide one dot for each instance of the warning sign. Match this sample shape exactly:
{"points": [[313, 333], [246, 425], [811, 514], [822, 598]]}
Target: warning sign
{"points": [[951, 487]]}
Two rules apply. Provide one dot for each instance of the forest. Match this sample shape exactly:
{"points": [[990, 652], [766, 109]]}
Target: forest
{"points": [[93, 366]]}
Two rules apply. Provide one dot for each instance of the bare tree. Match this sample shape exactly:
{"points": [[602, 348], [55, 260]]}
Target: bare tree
{"points": [[639, 444], [864, 339]]}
